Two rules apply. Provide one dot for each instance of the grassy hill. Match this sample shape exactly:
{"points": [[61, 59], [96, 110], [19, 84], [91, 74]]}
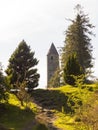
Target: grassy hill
{"points": [[60, 102], [64, 101], [13, 116], [56, 98]]}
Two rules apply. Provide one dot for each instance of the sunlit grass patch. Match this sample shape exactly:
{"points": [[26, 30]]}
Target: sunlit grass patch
{"points": [[67, 88], [64, 121], [13, 100], [14, 116]]}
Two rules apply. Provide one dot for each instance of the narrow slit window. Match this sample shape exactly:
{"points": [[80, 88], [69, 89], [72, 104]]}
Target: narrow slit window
{"points": [[51, 57]]}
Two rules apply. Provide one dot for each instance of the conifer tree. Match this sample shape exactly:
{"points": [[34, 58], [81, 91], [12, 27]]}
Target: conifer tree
{"points": [[78, 41], [71, 69], [21, 67], [2, 85]]}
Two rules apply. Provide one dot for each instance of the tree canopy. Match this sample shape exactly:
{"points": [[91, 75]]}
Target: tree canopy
{"points": [[2, 85], [71, 69], [21, 67], [78, 40]]}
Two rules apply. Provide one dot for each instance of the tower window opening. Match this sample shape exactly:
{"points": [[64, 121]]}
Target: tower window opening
{"points": [[51, 57]]}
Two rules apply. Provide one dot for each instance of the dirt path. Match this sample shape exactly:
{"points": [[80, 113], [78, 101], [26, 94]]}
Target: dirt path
{"points": [[47, 117], [44, 116]]}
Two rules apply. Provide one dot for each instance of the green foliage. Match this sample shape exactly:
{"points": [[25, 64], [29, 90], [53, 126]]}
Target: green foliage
{"points": [[64, 99], [55, 80], [64, 121], [78, 41], [22, 67], [22, 94], [71, 69], [3, 95], [88, 113], [77, 97], [79, 80]]}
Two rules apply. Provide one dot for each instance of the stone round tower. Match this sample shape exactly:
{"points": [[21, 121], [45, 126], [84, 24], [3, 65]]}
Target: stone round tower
{"points": [[52, 62]]}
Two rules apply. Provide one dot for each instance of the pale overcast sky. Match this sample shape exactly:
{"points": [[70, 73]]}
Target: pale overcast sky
{"points": [[39, 23]]}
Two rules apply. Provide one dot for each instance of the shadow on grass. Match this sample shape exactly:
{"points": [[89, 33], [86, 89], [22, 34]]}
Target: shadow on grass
{"points": [[3, 128], [51, 99], [40, 127], [12, 117]]}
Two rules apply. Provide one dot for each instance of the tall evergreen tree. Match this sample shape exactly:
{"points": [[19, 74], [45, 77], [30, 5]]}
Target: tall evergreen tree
{"points": [[2, 84], [78, 41], [21, 67]]}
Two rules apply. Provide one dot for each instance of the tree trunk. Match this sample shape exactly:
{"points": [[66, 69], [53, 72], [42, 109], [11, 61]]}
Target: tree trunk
{"points": [[21, 101]]}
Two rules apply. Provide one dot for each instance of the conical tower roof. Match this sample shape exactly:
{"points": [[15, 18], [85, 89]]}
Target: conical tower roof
{"points": [[52, 50]]}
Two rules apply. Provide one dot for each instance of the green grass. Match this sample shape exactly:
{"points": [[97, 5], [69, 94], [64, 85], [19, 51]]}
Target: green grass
{"points": [[40, 127], [66, 120], [51, 99], [66, 89], [14, 116], [57, 99]]}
